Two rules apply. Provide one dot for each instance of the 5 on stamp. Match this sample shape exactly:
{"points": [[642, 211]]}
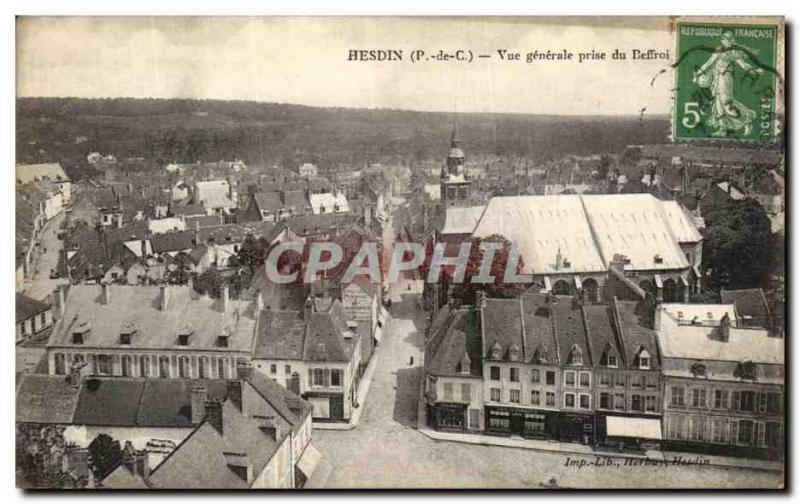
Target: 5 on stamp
{"points": [[725, 82]]}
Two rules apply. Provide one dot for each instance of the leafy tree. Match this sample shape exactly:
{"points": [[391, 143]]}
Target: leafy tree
{"points": [[209, 282], [105, 453], [737, 249]]}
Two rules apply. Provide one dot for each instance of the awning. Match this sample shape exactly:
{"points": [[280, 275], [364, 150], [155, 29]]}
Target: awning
{"points": [[696, 271], [548, 287], [309, 460], [578, 284], [644, 428], [659, 283]]}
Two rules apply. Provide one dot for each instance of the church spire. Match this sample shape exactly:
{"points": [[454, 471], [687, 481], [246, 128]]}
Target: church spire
{"points": [[454, 141]]}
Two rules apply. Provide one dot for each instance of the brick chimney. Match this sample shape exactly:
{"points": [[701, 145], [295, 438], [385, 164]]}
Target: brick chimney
{"points": [[142, 464], [199, 397], [233, 392], [106, 295], [725, 328], [163, 298]]}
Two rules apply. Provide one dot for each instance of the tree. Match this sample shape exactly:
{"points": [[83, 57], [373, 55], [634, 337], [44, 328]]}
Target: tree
{"points": [[209, 282], [105, 454], [737, 251]]}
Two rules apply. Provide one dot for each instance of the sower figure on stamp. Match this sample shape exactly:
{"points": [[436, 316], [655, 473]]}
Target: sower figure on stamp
{"points": [[716, 74]]}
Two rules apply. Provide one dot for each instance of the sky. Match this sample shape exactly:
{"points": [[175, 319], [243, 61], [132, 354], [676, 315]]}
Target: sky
{"points": [[304, 61]]}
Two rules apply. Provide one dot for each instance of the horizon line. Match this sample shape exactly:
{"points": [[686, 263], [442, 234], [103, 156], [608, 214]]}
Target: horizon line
{"points": [[377, 109]]}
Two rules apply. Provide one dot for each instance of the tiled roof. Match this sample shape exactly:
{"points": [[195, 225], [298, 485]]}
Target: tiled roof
{"points": [[569, 330], [269, 201], [189, 210], [633, 333], [172, 242], [45, 399], [600, 331], [306, 225], [296, 199], [29, 307], [280, 335], [155, 328], [236, 233]]}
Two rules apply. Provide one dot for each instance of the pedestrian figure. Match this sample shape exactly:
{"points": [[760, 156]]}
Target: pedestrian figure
{"points": [[411, 361]]}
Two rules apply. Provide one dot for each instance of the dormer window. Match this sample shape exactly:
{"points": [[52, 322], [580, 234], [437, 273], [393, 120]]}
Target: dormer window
{"points": [[658, 259], [184, 334], [513, 353], [80, 333], [465, 365], [644, 359], [576, 356], [222, 341], [611, 361], [497, 351], [541, 354], [126, 334]]}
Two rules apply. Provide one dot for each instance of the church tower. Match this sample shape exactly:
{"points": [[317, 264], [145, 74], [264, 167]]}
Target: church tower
{"points": [[456, 187]]}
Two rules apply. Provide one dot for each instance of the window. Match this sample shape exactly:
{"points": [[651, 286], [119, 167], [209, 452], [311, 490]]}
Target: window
{"points": [[104, 364], [697, 428], [60, 364], [650, 403], [576, 356], [745, 435], [144, 366], [720, 399], [585, 379], [636, 403], [318, 378], [650, 381], [336, 377], [637, 381], [77, 337], [718, 427], [605, 379], [550, 378], [448, 391], [643, 359], [619, 380], [183, 367], [514, 396], [619, 402], [569, 400], [676, 396], [611, 361], [221, 367], [24, 330], [772, 436], [513, 374], [273, 368], [494, 373], [127, 365], [287, 369], [535, 397], [569, 378], [536, 376], [748, 401], [773, 402], [675, 427], [550, 399], [466, 392], [125, 339], [584, 401], [699, 398], [203, 368], [42, 320], [495, 394]]}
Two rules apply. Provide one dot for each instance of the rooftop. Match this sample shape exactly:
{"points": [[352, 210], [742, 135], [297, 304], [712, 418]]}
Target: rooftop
{"points": [[35, 172], [139, 307]]}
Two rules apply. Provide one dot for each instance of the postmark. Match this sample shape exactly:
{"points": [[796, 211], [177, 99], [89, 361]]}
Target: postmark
{"points": [[726, 82]]}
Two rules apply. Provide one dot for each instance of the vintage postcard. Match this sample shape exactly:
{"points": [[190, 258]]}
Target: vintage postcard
{"points": [[400, 253]]}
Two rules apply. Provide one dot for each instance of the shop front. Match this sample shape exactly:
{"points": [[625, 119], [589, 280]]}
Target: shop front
{"points": [[576, 428], [450, 416], [529, 423], [327, 406], [633, 434]]}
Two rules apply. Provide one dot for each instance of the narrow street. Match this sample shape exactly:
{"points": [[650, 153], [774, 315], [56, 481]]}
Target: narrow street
{"points": [[40, 285], [386, 450]]}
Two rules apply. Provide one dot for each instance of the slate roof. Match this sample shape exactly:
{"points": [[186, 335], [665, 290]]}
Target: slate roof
{"points": [[155, 328], [307, 225], [317, 337], [600, 332], [457, 334], [751, 306], [269, 201], [296, 199], [201, 221], [236, 233], [568, 325], [201, 460], [633, 333], [189, 210], [29, 307]]}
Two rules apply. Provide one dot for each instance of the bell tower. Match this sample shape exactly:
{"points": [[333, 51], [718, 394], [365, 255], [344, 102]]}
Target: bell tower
{"points": [[455, 185]]}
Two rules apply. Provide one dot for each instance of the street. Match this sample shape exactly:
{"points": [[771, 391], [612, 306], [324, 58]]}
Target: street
{"points": [[40, 285], [386, 451]]}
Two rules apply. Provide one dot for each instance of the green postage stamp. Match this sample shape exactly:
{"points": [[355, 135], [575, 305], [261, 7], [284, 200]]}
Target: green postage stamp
{"points": [[726, 81]]}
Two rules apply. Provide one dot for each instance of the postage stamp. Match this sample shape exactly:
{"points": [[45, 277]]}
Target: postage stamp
{"points": [[725, 82]]}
